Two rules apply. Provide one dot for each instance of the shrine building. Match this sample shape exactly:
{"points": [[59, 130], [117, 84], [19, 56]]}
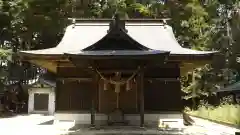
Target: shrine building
{"points": [[111, 70]]}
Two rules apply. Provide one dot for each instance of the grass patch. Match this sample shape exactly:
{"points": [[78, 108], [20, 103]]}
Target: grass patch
{"points": [[223, 113]]}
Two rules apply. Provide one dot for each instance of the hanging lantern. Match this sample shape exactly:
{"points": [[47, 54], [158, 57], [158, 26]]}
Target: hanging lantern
{"points": [[105, 85], [128, 85]]}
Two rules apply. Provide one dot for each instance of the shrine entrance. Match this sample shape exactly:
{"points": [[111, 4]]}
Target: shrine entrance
{"points": [[108, 65], [118, 91], [118, 94]]}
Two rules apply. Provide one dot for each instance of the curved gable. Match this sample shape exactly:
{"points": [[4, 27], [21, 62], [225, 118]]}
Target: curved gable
{"points": [[116, 39]]}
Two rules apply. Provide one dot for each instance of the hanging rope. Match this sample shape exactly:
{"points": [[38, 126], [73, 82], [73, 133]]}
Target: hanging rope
{"points": [[119, 82]]}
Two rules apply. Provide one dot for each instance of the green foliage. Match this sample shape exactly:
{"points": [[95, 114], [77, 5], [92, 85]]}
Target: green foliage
{"points": [[125, 8], [211, 26], [224, 113], [36, 24], [139, 8], [4, 54]]}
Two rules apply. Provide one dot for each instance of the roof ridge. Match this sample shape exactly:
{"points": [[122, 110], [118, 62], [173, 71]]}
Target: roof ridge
{"points": [[110, 19], [126, 24], [140, 20]]}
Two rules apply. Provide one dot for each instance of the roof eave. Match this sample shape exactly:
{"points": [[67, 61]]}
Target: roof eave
{"points": [[172, 57], [203, 56], [98, 57], [34, 56]]}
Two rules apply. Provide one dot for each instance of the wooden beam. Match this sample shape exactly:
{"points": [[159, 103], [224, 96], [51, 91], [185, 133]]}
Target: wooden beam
{"points": [[118, 70], [76, 79], [49, 57], [188, 67], [190, 57], [140, 87], [163, 79], [197, 62], [95, 79], [49, 65], [66, 64]]}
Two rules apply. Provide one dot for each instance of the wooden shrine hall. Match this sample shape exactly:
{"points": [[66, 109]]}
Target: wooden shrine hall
{"points": [[111, 71]]}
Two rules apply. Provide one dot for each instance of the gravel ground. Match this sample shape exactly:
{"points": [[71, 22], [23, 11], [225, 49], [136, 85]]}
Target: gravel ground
{"points": [[209, 128], [33, 125]]}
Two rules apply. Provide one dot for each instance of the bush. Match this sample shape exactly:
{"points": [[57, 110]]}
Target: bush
{"points": [[226, 113]]}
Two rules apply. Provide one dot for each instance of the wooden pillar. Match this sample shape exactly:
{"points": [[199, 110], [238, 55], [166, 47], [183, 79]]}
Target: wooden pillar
{"points": [[141, 96], [93, 114], [94, 98], [57, 91]]}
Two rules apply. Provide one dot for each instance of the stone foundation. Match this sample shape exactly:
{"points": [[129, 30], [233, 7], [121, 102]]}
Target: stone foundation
{"points": [[151, 119]]}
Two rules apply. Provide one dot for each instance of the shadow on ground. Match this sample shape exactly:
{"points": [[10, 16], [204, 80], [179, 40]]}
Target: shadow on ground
{"points": [[50, 122]]}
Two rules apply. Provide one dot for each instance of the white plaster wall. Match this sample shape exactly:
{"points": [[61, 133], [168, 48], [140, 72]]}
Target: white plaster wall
{"points": [[51, 99]]}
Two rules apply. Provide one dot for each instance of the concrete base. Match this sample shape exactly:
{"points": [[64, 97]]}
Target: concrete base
{"points": [[133, 119]]}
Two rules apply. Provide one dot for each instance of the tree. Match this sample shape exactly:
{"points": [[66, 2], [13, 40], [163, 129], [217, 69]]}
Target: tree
{"points": [[197, 24], [221, 16], [125, 8]]}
